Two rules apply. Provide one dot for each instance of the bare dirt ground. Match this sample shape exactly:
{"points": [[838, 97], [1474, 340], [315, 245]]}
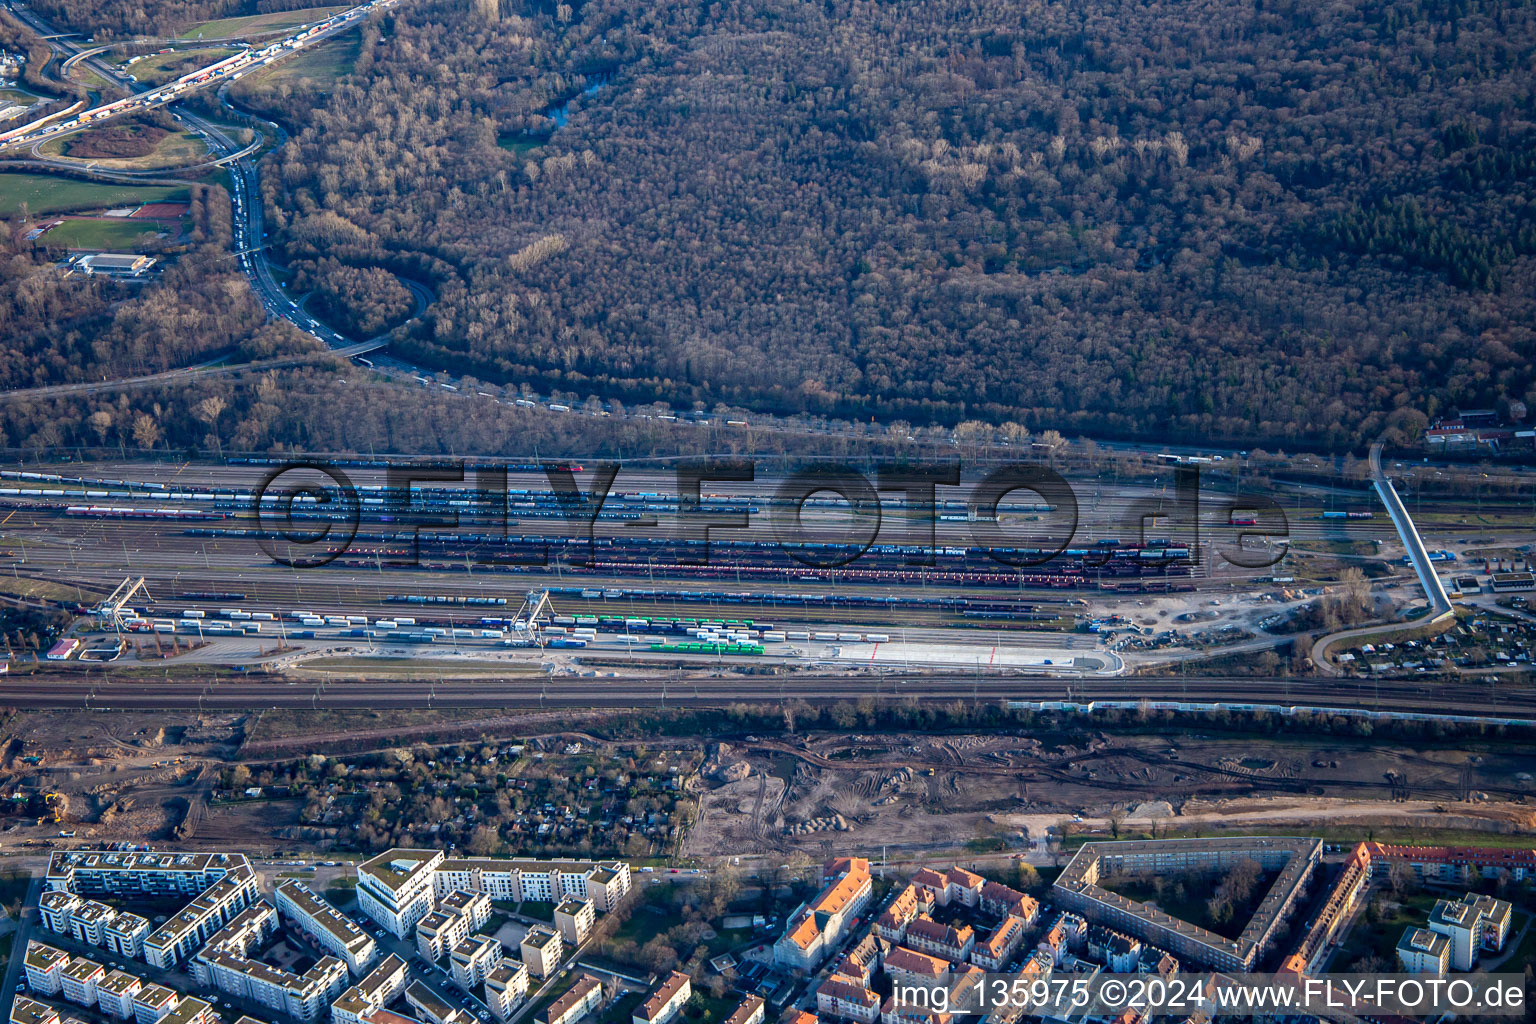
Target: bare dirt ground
{"points": [[907, 792]]}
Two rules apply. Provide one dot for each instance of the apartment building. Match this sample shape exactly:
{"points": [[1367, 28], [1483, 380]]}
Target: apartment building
{"points": [[115, 992], [998, 948], [92, 922], [56, 908], [126, 934], [844, 998], [605, 883], [541, 950], [665, 1000], [439, 932], [154, 1003], [433, 1008], [910, 966], [1473, 924], [378, 989], [225, 964], [751, 1011], [574, 917], [89, 922], [575, 1003], [395, 888], [903, 907], [1117, 951], [191, 1010], [926, 935], [45, 965], [862, 959], [30, 1011], [332, 930], [1421, 951], [473, 959], [506, 987], [91, 872], [1293, 859], [475, 906], [188, 930], [1456, 863], [817, 927], [956, 885], [1066, 935], [1003, 900], [79, 980]]}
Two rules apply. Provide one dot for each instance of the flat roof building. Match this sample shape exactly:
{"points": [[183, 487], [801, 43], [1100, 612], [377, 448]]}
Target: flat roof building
{"points": [[116, 264], [1293, 858], [541, 950], [329, 927], [505, 988], [377, 990], [1421, 951]]}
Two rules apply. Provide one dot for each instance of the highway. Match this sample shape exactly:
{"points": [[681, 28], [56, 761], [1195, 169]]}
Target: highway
{"points": [[219, 73], [248, 215], [112, 691]]}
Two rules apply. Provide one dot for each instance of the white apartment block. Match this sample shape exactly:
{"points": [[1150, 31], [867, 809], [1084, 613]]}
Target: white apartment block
{"points": [[115, 992], [191, 1010], [154, 1003], [224, 963], [329, 927], [126, 935], [439, 932], [473, 959], [574, 916], [396, 888], [145, 874], [605, 883], [541, 949], [92, 922], [380, 988], [187, 931], [665, 1000], [89, 922], [56, 908], [1472, 924], [433, 1007], [475, 906], [45, 968], [80, 979], [1421, 951], [506, 987], [30, 1011]]}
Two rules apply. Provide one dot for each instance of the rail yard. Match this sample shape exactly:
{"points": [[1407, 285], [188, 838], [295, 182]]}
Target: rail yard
{"points": [[519, 567]]}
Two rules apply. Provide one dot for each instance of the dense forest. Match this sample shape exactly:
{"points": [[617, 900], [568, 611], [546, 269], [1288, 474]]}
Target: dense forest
{"points": [[1243, 220], [1261, 219]]}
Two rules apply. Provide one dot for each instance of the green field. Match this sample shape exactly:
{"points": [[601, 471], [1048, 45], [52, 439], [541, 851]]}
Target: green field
{"points": [[258, 24], [44, 194], [118, 233]]}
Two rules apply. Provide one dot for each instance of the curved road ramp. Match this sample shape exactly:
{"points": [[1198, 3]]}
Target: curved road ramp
{"points": [[1440, 611]]}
